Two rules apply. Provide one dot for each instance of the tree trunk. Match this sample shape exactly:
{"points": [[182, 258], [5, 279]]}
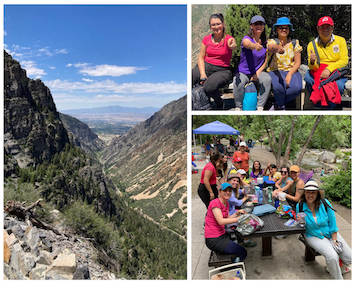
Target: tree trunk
{"points": [[300, 157], [288, 147]]}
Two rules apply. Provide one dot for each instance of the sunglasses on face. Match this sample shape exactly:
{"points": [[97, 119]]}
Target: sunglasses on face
{"points": [[284, 172], [258, 24], [283, 28]]}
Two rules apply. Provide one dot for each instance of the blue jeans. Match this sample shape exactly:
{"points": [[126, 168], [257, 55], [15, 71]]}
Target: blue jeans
{"points": [[310, 82], [235, 249], [282, 93]]}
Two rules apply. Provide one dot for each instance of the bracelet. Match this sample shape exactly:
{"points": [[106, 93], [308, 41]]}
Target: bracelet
{"points": [[335, 241]]}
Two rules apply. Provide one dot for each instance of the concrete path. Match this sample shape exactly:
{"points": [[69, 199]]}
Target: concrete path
{"points": [[287, 262]]}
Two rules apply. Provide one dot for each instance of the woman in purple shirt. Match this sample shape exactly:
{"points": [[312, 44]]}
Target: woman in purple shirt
{"points": [[253, 60]]}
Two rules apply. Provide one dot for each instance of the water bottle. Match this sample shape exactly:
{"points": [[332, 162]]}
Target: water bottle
{"points": [[239, 275], [277, 202], [257, 191], [260, 197]]}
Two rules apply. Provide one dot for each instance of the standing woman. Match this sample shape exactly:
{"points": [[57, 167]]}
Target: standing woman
{"points": [[286, 59], [253, 60], [207, 190], [322, 231], [222, 169], [212, 69]]}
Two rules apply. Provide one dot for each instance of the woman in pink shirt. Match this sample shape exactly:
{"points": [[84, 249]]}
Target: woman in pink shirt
{"points": [[217, 217], [207, 190], [212, 69]]}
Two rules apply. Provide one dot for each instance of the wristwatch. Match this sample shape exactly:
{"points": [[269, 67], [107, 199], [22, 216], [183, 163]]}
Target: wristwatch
{"points": [[335, 241]]}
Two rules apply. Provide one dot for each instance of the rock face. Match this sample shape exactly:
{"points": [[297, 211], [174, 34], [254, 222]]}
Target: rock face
{"points": [[33, 131], [327, 157], [154, 154], [81, 135], [36, 254]]}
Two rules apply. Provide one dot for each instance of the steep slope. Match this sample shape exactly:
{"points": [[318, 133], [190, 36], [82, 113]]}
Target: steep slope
{"points": [[148, 164], [81, 135], [33, 131]]}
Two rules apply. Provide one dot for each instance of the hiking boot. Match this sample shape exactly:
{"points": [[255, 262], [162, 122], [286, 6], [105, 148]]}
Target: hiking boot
{"points": [[249, 244]]}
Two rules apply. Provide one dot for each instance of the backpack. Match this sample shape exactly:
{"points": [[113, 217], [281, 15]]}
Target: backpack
{"points": [[199, 99], [250, 97]]}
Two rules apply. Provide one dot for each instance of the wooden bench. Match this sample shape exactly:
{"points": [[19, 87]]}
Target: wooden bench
{"points": [[218, 259], [309, 254], [302, 101]]}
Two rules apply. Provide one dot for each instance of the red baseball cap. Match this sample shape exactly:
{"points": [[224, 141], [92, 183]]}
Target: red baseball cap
{"points": [[325, 20], [237, 160]]}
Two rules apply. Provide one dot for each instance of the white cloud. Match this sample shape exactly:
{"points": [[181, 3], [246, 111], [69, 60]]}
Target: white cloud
{"points": [[44, 52], [60, 51], [32, 70], [88, 80], [109, 86], [106, 70], [52, 67], [69, 65]]}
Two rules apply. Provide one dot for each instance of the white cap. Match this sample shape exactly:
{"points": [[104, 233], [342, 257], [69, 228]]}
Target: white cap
{"points": [[243, 144]]}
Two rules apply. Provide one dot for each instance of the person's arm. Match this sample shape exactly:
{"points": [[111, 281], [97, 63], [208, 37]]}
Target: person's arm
{"points": [[235, 201], [217, 213], [262, 67], [201, 62], [294, 69], [312, 58], [297, 197], [206, 182], [232, 44], [343, 57], [278, 184], [250, 45]]}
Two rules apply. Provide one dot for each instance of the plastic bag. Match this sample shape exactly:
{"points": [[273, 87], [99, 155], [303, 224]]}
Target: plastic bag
{"points": [[248, 224]]}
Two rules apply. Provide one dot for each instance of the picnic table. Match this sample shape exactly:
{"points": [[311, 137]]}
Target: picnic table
{"points": [[273, 226]]}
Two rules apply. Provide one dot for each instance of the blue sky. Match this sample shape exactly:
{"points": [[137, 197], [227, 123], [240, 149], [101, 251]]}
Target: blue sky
{"points": [[94, 56]]}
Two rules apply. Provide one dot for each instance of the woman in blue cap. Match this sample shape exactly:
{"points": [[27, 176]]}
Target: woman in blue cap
{"points": [[253, 60], [284, 63]]}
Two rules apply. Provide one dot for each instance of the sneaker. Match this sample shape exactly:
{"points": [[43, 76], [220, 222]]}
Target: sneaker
{"points": [[236, 109], [345, 269], [279, 237], [249, 244], [260, 109]]}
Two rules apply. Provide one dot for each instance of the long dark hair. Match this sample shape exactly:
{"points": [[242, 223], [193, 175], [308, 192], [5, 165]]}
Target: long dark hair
{"points": [[218, 16], [317, 201], [214, 158], [224, 166], [260, 170], [263, 36]]}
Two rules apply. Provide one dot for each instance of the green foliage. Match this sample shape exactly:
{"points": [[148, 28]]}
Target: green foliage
{"points": [[338, 186]]}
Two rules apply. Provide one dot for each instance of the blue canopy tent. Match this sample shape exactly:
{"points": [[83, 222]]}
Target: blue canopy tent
{"points": [[216, 127]]}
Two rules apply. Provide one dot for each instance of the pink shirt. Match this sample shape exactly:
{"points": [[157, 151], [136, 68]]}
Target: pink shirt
{"points": [[212, 228], [218, 54], [210, 167]]}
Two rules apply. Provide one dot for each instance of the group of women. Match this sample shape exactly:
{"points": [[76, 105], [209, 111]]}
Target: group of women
{"points": [[224, 207], [212, 70]]}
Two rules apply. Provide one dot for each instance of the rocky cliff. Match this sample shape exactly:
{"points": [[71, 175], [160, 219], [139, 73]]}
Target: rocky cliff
{"points": [[149, 165], [81, 135], [33, 132]]}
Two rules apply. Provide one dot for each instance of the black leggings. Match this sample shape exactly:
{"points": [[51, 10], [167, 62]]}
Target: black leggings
{"points": [[205, 195], [235, 249], [217, 77]]}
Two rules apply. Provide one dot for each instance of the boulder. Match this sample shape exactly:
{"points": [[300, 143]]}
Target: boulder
{"points": [[327, 157], [63, 266]]}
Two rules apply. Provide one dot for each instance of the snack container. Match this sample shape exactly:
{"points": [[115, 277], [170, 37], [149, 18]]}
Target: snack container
{"points": [[228, 271]]}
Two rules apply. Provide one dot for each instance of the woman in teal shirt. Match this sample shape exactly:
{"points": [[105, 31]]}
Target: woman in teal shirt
{"points": [[322, 231]]}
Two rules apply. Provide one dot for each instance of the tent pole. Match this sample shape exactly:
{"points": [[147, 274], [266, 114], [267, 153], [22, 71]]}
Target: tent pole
{"points": [[194, 141]]}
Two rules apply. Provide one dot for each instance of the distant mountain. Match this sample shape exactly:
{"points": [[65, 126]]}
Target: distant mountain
{"points": [[149, 164], [81, 135], [112, 109]]}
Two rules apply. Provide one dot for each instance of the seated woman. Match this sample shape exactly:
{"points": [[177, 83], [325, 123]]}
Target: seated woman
{"points": [[273, 174], [207, 189], [256, 171], [286, 59], [322, 231], [212, 70], [253, 60], [217, 217], [284, 183], [222, 169]]}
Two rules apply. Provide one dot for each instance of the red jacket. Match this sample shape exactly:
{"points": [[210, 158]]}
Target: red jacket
{"points": [[328, 93]]}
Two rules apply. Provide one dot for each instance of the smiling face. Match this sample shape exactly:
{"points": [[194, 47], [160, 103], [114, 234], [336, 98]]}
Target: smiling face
{"points": [[272, 171], [257, 165], [283, 31], [325, 31], [284, 172], [226, 194], [233, 182], [294, 175], [310, 195], [258, 27], [216, 26], [224, 159]]}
